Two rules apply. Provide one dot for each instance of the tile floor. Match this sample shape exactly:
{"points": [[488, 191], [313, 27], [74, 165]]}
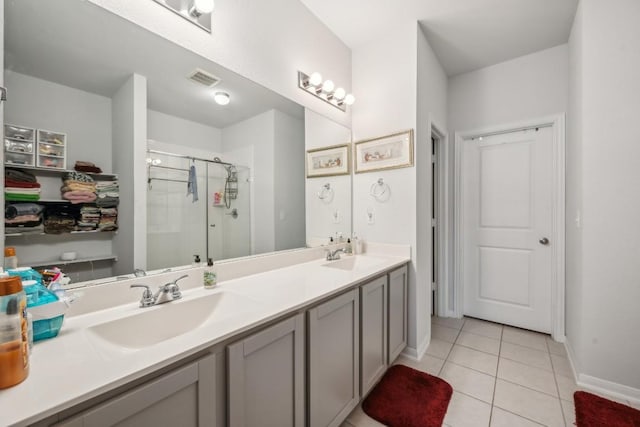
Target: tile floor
{"points": [[501, 376]]}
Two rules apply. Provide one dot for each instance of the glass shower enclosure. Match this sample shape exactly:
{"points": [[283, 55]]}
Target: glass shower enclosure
{"points": [[214, 221]]}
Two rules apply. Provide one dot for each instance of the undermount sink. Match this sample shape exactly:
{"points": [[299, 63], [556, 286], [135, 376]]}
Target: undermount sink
{"points": [[355, 263], [159, 323]]}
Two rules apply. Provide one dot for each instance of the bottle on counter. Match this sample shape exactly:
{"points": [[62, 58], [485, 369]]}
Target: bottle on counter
{"points": [[210, 277], [348, 249], [357, 244], [10, 258], [14, 337], [196, 261]]}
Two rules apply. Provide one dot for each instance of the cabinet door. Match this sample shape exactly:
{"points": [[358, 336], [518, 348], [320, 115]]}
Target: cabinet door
{"points": [[266, 377], [333, 360], [373, 335], [184, 397], [398, 292]]}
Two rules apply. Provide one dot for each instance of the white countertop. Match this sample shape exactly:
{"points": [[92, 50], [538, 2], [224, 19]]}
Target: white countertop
{"points": [[77, 365]]}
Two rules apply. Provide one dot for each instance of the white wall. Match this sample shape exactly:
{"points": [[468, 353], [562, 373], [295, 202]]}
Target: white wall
{"points": [[321, 222], [83, 116], [129, 112], [289, 204], [175, 130], [385, 81], [604, 316], [258, 134], [528, 87], [243, 41]]}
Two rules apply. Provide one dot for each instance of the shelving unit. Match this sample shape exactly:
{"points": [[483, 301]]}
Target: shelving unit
{"points": [[52, 149]]}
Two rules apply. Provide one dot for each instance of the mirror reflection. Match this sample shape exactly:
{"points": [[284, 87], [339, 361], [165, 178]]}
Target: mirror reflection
{"points": [[222, 181]]}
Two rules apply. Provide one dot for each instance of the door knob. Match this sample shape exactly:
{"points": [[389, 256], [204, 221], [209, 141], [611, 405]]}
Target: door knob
{"points": [[544, 241]]}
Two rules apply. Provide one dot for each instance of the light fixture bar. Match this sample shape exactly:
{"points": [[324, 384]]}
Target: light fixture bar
{"points": [[202, 20], [324, 90]]}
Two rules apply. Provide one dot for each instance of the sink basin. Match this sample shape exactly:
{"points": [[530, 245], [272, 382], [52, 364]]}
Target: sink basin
{"points": [[159, 323], [355, 263]]}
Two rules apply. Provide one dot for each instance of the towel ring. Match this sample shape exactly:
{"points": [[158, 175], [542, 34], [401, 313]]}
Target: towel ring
{"points": [[380, 191], [326, 193]]}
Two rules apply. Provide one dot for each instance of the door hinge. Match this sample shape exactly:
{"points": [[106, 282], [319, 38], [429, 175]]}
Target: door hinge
{"points": [[433, 222], [433, 158], [434, 286], [3, 93]]}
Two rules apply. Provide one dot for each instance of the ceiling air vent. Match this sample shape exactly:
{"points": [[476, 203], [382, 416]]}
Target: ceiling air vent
{"points": [[204, 78]]}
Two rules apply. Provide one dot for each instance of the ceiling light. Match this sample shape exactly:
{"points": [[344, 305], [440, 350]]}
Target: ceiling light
{"points": [[221, 98], [201, 7], [339, 94]]}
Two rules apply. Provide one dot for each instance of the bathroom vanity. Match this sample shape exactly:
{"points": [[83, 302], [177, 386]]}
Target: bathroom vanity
{"points": [[297, 345]]}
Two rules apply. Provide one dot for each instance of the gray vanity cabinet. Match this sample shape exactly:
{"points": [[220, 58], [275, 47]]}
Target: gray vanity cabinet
{"points": [[373, 338], [266, 377], [334, 361], [183, 397], [398, 296]]}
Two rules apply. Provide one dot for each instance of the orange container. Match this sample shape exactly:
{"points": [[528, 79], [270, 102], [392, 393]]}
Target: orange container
{"points": [[14, 341]]}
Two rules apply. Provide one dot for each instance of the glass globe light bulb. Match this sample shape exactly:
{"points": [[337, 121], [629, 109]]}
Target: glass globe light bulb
{"points": [[339, 94], [349, 99], [328, 86], [203, 6], [315, 79]]}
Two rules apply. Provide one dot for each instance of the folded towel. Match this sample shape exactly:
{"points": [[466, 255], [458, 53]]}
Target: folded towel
{"points": [[19, 175], [77, 176], [38, 229], [17, 209], [17, 190], [24, 219], [83, 166], [8, 182], [21, 197], [79, 196]]}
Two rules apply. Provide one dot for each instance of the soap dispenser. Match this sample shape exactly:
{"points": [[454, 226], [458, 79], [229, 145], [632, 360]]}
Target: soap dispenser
{"points": [[196, 261], [348, 249], [210, 277]]}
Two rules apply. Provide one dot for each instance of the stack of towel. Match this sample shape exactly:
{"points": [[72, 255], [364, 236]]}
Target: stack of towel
{"points": [[89, 218], [78, 188], [108, 219], [108, 194], [20, 186], [25, 218], [82, 166], [60, 219]]}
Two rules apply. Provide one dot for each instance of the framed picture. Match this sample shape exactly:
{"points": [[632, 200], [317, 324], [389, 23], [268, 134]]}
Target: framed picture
{"points": [[387, 152], [329, 161]]}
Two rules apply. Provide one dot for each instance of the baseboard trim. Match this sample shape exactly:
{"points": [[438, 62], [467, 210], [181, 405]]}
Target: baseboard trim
{"points": [[416, 354], [599, 385]]}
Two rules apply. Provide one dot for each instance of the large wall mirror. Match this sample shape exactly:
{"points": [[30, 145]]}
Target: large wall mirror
{"points": [[66, 62]]}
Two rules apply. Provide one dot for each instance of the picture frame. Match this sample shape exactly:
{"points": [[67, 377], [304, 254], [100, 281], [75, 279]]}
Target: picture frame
{"points": [[386, 152], [329, 161]]}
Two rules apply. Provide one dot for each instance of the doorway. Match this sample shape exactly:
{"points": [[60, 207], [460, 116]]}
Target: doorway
{"points": [[510, 225]]}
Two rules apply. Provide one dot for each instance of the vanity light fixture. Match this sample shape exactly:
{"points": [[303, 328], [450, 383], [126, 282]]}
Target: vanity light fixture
{"points": [[325, 90], [221, 98], [197, 12]]}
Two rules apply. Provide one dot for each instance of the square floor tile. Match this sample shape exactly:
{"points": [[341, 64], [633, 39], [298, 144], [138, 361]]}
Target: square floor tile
{"points": [[465, 411], [528, 356], [556, 348], [484, 328], [478, 342], [443, 333], [474, 359], [502, 418], [569, 412], [449, 322], [439, 348], [429, 364], [525, 338], [528, 403], [561, 366], [527, 376], [566, 387], [468, 381], [359, 419]]}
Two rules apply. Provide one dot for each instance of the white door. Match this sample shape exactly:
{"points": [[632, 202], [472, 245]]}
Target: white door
{"points": [[507, 198]]}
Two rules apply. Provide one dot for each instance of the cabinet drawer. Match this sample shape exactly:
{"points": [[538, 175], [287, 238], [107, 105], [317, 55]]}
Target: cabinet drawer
{"points": [[50, 137], [17, 146], [20, 159], [47, 149], [19, 132]]}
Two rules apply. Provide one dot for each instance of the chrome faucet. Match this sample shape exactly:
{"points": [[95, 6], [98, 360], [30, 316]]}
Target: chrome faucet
{"points": [[165, 293], [334, 255]]}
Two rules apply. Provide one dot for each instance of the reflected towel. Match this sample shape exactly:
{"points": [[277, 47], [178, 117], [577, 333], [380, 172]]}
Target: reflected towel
{"points": [[192, 184]]}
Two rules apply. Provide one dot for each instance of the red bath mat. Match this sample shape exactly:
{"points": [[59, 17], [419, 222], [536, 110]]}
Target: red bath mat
{"points": [[405, 397], [596, 411]]}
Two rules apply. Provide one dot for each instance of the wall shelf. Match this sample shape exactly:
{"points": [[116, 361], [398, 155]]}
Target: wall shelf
{"points": [[55, 171], [59, 234], [58, 262]]}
